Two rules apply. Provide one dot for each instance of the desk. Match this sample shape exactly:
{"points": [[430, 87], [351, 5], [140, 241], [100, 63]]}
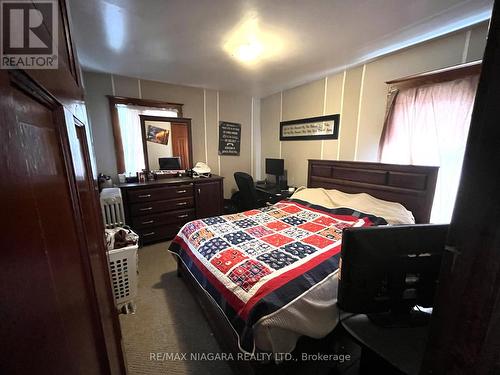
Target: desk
{"points": [[396, 350], [272, 193]]}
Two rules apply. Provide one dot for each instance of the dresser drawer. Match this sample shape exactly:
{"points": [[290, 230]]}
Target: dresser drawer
{"points": [[161, 232], [160, 193], [178, 216], [147, 208]]}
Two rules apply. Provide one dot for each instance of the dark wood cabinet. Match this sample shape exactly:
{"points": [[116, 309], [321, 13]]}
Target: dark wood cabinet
{"points": [[55, 280], [64, 83], [57, 302], [156, 210], [209, 198]]}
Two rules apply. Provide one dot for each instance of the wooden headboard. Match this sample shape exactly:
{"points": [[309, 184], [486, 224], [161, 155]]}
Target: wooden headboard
{"points": [[411, 185]]}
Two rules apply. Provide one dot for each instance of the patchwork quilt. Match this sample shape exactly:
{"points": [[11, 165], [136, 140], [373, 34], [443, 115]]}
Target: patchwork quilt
{"points": [[256, 262]]}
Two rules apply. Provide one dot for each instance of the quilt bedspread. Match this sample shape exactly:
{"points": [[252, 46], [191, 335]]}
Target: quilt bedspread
{"points": [[256, 262]]}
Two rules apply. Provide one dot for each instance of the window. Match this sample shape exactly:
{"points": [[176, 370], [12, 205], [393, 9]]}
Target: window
{"points": [[428, 125]]}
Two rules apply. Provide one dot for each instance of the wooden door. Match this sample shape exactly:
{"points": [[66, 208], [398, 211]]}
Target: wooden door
{"points": [[93, 228], [209, 198], [181, 143], [48, 304]]}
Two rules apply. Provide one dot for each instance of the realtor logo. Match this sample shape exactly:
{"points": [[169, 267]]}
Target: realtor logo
{"points": [[28, 34]]}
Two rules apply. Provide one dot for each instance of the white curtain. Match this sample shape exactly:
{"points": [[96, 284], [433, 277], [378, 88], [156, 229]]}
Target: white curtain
{"points": [[429, 126], [130, 129]]}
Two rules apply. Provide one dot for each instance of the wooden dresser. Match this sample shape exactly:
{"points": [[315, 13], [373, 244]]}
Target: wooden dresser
{"points": [[156, 210]]}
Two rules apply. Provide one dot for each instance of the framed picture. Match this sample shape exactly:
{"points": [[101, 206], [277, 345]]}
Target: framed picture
{"points": [[313, 128], [157, 135]]}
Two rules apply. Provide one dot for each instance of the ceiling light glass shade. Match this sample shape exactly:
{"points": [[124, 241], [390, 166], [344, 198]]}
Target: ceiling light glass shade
{"points": [[250, 44]]}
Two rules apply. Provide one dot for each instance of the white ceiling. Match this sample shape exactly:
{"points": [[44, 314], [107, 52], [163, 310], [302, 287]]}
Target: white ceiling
{"points": [[182, 41]]}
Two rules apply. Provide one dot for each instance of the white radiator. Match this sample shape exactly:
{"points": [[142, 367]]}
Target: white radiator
{"points": [[112, 208]]}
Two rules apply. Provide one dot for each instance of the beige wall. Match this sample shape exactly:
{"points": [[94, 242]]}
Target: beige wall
{"points": [[270, 116], [205, 108], [359, 95]]}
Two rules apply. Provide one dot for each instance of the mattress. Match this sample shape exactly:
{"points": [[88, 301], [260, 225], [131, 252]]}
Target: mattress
{"points": [[393, 212], [271, 271]]}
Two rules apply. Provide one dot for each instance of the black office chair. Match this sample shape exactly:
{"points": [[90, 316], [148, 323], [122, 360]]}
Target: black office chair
{"points": [[248, 197]]}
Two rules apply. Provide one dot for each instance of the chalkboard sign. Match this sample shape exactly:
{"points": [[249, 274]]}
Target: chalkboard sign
{"points": [[229, 138]]}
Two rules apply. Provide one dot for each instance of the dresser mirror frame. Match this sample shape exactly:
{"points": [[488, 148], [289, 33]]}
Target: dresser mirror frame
{"points": [[117, 136], [178, 121]]}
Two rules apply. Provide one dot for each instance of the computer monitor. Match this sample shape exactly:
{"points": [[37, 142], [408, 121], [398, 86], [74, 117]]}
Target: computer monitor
{"points": [[275, 167], [390, 268], [171, 163]]}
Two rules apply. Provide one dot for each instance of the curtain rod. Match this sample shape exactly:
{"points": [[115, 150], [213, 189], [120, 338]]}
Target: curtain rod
{"points": [[474, 67]]}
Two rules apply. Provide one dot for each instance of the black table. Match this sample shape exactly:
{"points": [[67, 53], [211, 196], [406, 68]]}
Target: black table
{"points": [[392, 350], [272, 193]]}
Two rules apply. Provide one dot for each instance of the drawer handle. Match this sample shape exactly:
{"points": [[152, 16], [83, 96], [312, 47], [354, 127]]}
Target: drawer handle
{"points": [[144, 196], [182, 216], [145, 209], [182, 203], [149, 234], [181, 191], [148, 222]]}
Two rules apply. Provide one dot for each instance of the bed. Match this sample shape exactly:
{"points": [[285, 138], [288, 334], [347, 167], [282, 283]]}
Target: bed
{"points": [[265, 277]]}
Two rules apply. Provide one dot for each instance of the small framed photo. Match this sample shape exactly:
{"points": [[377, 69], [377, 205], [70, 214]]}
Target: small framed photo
{"points": [[157, 135]]}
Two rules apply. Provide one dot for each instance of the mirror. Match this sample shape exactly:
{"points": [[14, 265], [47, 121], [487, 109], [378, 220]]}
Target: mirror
{"points": [[166, 137], [129, 137]]}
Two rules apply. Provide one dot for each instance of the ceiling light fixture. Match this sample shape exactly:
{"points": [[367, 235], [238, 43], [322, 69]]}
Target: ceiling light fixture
{"points": [[249, 52], [249, 44]]}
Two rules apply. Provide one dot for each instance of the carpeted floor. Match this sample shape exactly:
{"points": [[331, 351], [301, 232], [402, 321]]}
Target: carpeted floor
{"points": [[167, 320]]}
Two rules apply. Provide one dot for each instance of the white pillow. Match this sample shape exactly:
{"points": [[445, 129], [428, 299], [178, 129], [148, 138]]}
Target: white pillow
{"points": [[392, 212]]}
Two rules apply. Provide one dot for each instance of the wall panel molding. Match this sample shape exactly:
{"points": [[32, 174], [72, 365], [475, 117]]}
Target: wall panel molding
{"points": [[341, 112], [358, 124]]}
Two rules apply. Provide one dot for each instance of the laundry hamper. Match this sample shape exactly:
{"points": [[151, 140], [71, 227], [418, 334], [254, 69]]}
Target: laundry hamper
{"points": [[122, 262], [123, 271]]}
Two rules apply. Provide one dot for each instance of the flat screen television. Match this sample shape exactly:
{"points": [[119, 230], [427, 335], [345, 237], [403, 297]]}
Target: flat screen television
{"points": [[390, 269]]}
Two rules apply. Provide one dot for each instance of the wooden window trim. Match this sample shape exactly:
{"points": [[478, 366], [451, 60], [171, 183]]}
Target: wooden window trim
{"points": [[437, 76], [145, 103], [113, 101]]}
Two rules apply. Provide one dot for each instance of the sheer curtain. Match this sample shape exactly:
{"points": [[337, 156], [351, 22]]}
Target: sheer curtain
{"points": [[130, 129], [429, 126]]}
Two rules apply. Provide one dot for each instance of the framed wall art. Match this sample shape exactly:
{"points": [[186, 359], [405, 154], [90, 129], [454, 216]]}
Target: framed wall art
{"points": [[313, 128], [229, 138]]}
